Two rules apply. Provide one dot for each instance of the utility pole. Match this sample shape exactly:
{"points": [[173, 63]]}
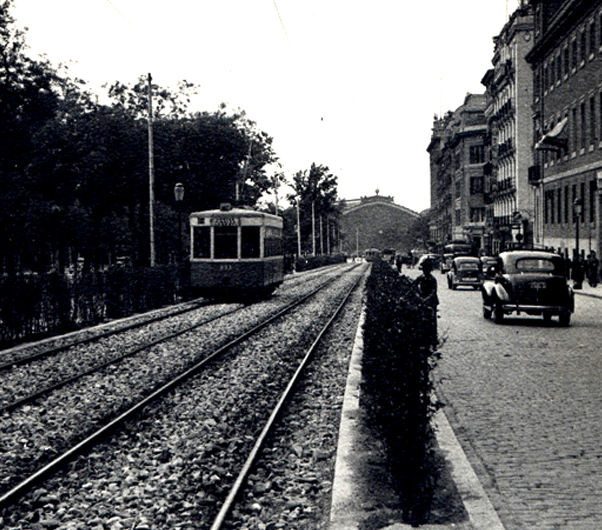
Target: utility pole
{"points": [[151, 174]]}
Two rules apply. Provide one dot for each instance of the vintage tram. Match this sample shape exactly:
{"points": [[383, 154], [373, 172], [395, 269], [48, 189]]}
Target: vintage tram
{"points": [[236, 253]]}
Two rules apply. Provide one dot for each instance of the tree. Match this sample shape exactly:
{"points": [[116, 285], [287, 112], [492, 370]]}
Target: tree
{"points": [[315, 193]]}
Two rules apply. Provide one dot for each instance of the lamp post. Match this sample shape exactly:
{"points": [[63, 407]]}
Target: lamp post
{"points": [[178, 193], [577, 209]]}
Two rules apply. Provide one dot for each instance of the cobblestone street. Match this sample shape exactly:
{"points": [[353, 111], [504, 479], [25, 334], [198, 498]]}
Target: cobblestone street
{"points": [[525, 401]]}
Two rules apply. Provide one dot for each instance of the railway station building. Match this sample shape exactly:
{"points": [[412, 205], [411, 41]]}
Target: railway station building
{"points": [[376, 222]]}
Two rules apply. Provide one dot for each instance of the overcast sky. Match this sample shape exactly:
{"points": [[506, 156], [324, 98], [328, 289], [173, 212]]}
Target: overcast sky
{"points": [[347, 84]]}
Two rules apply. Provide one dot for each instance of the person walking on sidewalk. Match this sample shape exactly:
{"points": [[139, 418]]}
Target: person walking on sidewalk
{"points": [[426, 286], [592, 267]]}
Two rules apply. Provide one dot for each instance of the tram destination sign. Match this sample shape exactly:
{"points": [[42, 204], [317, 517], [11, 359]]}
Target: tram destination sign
{"points": [[225, 221]]}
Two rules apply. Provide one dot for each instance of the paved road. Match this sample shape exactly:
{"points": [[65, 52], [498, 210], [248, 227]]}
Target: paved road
{"points": [[525, 401]]}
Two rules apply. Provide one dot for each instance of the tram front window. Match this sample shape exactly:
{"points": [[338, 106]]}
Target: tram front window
{"points": [[225, 242], [250, 242]]}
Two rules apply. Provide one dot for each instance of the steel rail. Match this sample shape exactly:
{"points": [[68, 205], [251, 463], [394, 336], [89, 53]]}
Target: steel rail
{"points": [[59, 462], [63, 382], [103, 334], [255, 451]]}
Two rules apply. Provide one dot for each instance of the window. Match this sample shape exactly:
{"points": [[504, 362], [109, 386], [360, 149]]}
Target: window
{"points": [[567, 66], [476, 185], [574, 54], [583, 47], [566, 204], [202, 242], [552, 206], [535, 265], [582, 125], [592, 120], [249, 242], [575, 129], [574, 197], [477, 215], [559, 218], [559, 68], [226, 244], [592, 201], [273, 241], [583, 201], [592, 37], [477, 154]]}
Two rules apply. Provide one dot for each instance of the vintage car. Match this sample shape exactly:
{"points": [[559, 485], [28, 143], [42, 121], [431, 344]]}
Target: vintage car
{"points": [[466, 271], [530, 282]]}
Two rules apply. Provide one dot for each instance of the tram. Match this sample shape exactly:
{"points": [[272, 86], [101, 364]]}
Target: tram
{"points": [[236, 253]]}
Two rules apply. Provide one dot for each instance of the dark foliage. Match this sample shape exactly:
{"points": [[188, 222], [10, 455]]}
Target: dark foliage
{"points": [[34, 306], [399, 356]]}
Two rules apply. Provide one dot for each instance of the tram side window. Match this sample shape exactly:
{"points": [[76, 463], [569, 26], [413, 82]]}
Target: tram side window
{"points": [[202, 242], [273, 242], [250, 241], [225, 240]]}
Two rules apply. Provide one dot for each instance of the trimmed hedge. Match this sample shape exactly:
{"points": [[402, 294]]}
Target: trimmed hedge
{"points": [[35, 306], [400, 339]]}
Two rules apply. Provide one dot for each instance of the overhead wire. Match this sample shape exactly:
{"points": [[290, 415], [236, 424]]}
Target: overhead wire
{"points": [[283, 27]]}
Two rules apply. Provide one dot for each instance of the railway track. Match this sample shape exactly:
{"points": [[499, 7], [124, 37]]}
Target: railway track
{"points": [[125, 416]]}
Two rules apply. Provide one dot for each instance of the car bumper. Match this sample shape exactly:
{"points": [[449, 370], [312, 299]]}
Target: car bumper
{"points": [[535, 309]]}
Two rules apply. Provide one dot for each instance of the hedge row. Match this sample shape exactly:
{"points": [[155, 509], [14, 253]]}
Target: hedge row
{"points": [[400, 340], [35, 306]]}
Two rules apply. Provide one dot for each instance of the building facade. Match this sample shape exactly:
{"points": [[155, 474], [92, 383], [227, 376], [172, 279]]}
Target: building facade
{"points": [[566, 60], [458, 162], [510, 199], [376, 222]]}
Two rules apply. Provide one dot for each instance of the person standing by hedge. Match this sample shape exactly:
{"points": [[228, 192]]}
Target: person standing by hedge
{"points": [[426, 286]]}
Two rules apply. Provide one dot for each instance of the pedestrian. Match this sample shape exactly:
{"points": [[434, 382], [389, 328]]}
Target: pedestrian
{"points": [[426, 286], [592, 267], [578, 272]]}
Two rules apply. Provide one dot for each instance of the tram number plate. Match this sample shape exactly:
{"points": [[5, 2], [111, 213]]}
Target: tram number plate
{"points": [[225, 267], [538, 286]]}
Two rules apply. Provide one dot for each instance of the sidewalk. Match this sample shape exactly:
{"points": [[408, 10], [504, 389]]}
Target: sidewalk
{"points": [[588, 290]]}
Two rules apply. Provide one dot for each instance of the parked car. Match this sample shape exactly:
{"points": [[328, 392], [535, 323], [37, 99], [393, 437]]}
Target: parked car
{"points": [[531, 282], [465, 271]]}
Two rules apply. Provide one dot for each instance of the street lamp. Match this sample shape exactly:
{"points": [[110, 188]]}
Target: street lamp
{"points": [[577, 209], [178, 193]]}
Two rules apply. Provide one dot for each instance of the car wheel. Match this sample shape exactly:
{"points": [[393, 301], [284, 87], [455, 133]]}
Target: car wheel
{"points": [[486, 312], [498, 313], [564, 318]]}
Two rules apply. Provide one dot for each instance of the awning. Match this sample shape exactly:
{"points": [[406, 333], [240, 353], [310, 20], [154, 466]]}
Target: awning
{"points": [[554, 140]]}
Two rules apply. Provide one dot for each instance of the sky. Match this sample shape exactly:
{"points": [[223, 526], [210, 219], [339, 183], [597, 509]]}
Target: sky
{"points": [[350, 85]]}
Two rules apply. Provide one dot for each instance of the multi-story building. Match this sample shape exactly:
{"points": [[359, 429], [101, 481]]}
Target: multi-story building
{"points": [[566, 59], [510, 210], [458, 159]]}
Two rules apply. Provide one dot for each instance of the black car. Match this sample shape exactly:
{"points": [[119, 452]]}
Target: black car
{"points": [[531, 282]]}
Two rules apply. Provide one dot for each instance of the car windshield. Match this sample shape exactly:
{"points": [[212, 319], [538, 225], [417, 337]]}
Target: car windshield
{"points": [[536, 265], [468, 266]]}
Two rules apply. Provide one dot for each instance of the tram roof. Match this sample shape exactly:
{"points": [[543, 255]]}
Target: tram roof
{"points": [[237, 212]]}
